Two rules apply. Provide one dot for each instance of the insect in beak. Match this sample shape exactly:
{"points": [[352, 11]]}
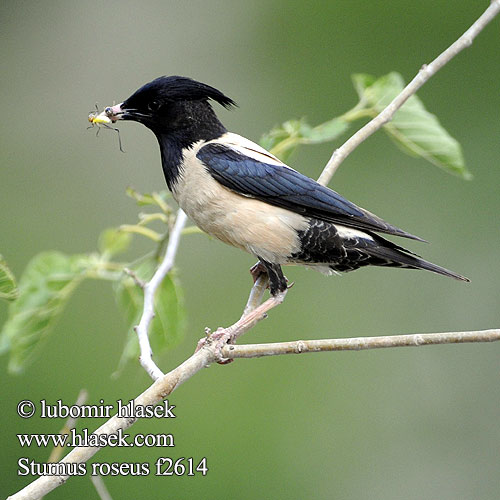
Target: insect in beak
{"points": [[101, 119]]}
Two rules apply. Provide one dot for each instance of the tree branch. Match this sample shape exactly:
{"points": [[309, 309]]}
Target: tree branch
{"points": [[425, 73], [357, 343], [149, 297], [209, 352], [214, 349], [256, 294]]}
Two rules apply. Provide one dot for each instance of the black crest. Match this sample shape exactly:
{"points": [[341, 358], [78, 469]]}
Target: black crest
{"points": [[177, 88]]}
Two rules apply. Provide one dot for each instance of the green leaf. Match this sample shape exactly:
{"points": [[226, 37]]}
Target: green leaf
{"points": [[362, 82], [158, 199], [283, 140], [8, 287], [326, 132], [143, 231], [113, 241], [167, 326], [412, 128], [277, 134], [44, 288], [129, 297], [141, 199]]}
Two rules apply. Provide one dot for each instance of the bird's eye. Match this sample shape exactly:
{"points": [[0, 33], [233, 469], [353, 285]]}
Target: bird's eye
{"points": [[154, 105]]}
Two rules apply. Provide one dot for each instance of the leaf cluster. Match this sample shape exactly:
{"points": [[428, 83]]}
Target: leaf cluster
{"points": [[50, 279], [413, 129]]}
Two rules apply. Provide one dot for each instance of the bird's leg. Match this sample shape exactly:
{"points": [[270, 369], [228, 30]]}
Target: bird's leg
{"points": [[277, 282]]}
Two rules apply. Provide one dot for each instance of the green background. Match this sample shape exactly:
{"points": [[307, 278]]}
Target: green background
{"points": [[387, 424]]}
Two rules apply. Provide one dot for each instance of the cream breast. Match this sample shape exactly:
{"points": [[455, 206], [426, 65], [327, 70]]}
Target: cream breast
{"points": [[264, 230]]}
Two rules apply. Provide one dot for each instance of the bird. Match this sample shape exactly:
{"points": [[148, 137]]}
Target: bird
{"points": [[243, 195]]}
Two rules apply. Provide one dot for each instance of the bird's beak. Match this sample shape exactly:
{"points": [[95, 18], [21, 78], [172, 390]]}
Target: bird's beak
{"points": [[110, 114]]}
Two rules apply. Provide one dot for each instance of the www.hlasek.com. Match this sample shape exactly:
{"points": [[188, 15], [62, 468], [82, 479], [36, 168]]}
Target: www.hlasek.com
{"points": [[84, 438], [163, 466]]}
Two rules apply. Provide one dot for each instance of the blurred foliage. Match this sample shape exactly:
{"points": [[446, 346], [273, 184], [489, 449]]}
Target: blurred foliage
{"points": [[44, 289], [283, 140], [415, 130], [51, 277], [8, 286]]}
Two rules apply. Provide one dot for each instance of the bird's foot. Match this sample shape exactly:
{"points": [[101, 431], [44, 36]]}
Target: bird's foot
{"points": [[277, 281], [257, 270], [278, 285]]}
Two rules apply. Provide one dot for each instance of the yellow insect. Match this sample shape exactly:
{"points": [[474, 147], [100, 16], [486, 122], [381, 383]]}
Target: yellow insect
{"points": [[96, 118]]}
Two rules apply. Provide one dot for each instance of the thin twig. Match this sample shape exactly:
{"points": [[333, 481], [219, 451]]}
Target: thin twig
{"points": [[249, 320], [100, 487], [254, 314], [140, 283], [357, 343], [425, 73], [149, 297], [70, 424], [256, 293]]}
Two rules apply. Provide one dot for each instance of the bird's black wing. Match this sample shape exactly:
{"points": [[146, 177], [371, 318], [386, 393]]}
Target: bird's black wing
{"points": [[280, 185]]}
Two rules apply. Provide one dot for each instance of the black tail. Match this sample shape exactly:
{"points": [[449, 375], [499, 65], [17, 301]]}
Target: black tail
{"points": [[386, 253]]}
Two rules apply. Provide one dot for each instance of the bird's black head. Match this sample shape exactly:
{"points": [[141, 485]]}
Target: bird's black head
{"points": [[178, 111], [177, 106]]}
